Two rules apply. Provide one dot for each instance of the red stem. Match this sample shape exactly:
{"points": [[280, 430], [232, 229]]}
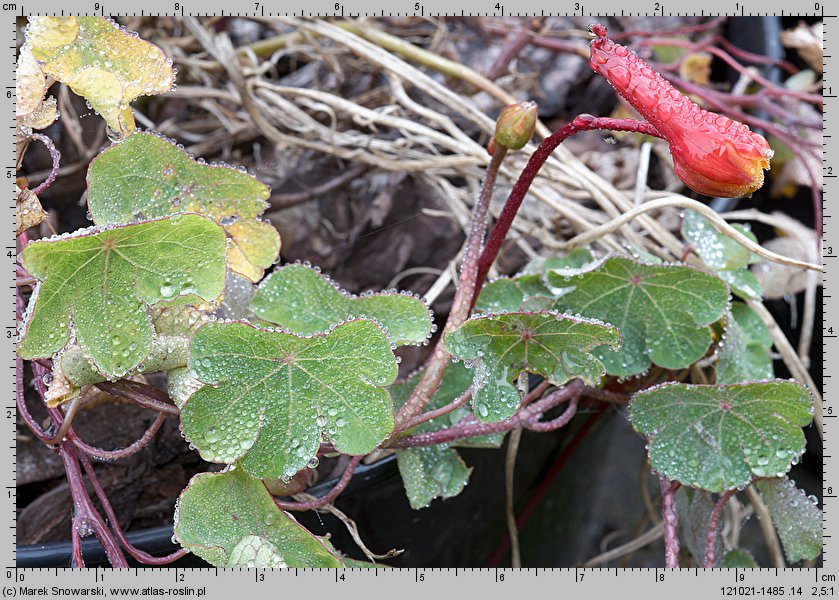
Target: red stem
{"points": [[463, 301], [346, 476], [712, 527], [56, 159], [85, 516], [769, 87], [443, 410], [671, 522], [111, 455], [554, 424], [537, 159], [140, 394], [469, 427], [675, 31], [136, 553]]}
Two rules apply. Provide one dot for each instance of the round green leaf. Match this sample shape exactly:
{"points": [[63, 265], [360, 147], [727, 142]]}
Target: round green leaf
{"points": [[744, 351], [271, 396], [306, 302], [145, 176], [663, 311], [719, 437], [99, 282], [501, 346], [796, 517], [231, 520]]}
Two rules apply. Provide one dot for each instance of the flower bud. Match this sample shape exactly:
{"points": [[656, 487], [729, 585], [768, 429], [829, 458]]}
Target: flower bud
{"points": [[515, 126], [712, 154]]}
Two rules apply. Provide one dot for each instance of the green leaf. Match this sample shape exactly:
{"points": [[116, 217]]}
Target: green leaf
{"points": [[101, 62], [738, 559], [500, 295], [725, 257], [527, 291], [306, 302], [744, 351], [145, 176], [438, 471], [663, 311], [743, 283], [797, 519], [717, 251], [98, 283], [719, 437], [230, 520], [431, 472], [271, 396], [499, 347]]}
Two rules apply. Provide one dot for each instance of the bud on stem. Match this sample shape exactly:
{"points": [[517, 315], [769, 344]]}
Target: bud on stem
{"points": [[515, 126]]}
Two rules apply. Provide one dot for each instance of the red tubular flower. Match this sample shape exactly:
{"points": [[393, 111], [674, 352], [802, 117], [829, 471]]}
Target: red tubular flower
{"points": [[712, 154]]}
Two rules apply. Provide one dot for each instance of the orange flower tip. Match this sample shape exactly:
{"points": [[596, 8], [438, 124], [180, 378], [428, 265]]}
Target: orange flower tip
{"points": [[515, 126], [726, 167]]}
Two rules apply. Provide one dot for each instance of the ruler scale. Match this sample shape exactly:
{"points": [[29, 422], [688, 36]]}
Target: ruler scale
{"points": [[652, 583]]}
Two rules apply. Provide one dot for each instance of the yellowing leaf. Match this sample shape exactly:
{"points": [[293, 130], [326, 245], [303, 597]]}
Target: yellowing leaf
{"points": [[98, 60], [29, 211], [30, 84], [30, 87], [145, 176]]}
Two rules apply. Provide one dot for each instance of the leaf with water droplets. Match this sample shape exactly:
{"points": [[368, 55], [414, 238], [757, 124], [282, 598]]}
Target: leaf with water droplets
{"points": [[301, 299], [98, 283], [231, 520], [797, 519], [147, 176], [500, 346], [271, 396], [431, 472], [744, 351], [101, 62], [719, 437], [30, 87], [725, 257], [738, 559], [663, 311], [438, 471], [527, 291]]}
